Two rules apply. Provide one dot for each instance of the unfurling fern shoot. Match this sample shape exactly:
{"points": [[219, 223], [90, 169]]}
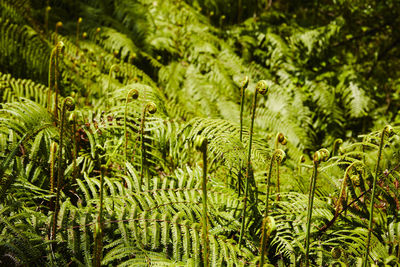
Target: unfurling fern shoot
{"points": [[336, 147], [114, 68], [319, 156], [278, 156], [134, 94], [388, 130], [201, 145], [261, 88], [151, 108], [68, 105], [54, 70], [46, 21], [245, 83], [58, 25], [280, 139], [77, 33]]}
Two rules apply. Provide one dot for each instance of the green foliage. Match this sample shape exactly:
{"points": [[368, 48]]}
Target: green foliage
{"points": [[133, 190]]}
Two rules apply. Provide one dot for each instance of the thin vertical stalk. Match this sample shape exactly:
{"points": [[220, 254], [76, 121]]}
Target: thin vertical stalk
{"points": [[202, 146], [320, 155], [113, 68], [46, 20], [53, 151], [245, 83], [98, 233], [72, 119], [278, 155], [389, 130], [261, 88], [151, 108], [134, 94], [77, 33], [280, 139], [68, 105]]}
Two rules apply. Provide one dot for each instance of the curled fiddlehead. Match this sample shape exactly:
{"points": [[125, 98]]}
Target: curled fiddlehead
{"points": [[336, 146], [261, 88], [319, 156]]}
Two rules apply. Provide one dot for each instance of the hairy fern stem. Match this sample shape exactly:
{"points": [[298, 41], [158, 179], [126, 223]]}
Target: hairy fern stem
{"points": [[319, 156], [134, 94], [151, 108], [389, 131], [278, 156], [261, 88], [98, 232], [280, 139], [245, 83], [68, 105]]}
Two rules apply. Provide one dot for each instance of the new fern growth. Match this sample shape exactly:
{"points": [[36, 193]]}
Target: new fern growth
{"points": [[261, 88], [68, 105], [134, 94], [53, 151], [245, 83], [280, 139], [319, 156], [151, 108], [54, 70], [388, 130], [201, 145], [98, 232], [278, 156]]}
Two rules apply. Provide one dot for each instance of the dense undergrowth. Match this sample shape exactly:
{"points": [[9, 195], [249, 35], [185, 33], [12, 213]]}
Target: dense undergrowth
{"points": [[199, 133]]}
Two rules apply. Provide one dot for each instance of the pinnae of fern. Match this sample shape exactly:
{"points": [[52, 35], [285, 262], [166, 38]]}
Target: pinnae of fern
{"points": [[278, 156], [151, 108], [387, 130], [319, 156], [134, 94], [261, 88], [201, 145], [68, 105]]}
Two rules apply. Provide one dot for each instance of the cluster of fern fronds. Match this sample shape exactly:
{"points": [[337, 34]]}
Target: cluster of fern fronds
{"points": [[139, 133]]}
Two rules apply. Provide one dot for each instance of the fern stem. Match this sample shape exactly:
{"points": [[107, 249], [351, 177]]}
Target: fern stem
{"points": [[320, 155], [151, 108], [113, 68], [389, 130], [68, 104], [46, 20], [202, 146], [280, 139], [98, 233], [75, 149], [245, 83], [261, 88], [278, 156], [134, 94], [53, 65], [77, 33], [53, 151]]}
